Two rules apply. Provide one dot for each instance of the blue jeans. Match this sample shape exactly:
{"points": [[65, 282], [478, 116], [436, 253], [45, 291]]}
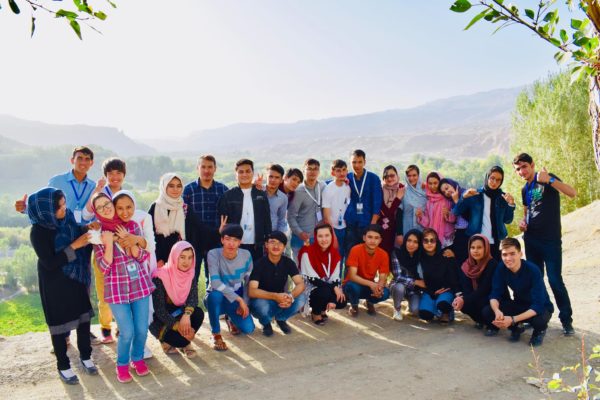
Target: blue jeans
{"points": [[355, 292], [549, 252], [264, 310], [217, 304], [132, 319], [429, 307]]}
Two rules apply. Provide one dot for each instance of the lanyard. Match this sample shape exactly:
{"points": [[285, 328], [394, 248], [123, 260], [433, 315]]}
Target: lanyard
{"points": [[362, 187], [328, 270], [78, 196], [529, 191], [317, 191]]}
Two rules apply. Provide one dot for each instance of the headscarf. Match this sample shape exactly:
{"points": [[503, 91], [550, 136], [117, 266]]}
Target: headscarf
{"points": [[414, 198], [108, 224], [493, 194], [168, 212], [408, 262], [319, 259], [437, 203], [390, 191], [176, 282], [41, 209], [138, 215], [452, 183], [472, 268]]}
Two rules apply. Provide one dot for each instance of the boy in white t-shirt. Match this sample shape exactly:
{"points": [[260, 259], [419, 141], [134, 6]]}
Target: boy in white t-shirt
{"points": [[336, 198]]}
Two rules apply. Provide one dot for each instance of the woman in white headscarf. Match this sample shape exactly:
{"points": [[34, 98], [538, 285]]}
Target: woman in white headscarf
{"points": [[414, 199]]}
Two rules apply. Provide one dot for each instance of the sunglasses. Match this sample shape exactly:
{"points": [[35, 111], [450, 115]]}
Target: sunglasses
{"points": [[429, 241], [389, 176]]}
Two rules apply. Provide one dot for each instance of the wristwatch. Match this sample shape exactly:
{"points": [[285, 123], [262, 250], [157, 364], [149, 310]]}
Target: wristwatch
{"points": [[551, 180]]}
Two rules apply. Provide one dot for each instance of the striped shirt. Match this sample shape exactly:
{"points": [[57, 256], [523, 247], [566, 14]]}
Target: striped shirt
{"points": [[203, 202], [121, 286]]}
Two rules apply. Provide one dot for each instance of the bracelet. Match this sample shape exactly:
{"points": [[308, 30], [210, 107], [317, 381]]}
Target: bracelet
{"points": [[513, 321]]}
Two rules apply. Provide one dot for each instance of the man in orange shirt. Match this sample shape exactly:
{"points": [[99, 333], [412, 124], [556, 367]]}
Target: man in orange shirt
{"points": [[365, 262]]}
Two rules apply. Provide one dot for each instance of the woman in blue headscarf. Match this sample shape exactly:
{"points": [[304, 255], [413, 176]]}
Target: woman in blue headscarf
{"points": [[64, 276], [414, 199]]}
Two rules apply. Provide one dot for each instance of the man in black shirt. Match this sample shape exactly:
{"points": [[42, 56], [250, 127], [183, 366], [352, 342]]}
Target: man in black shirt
{"points": [[268, 284], [542, 229]]}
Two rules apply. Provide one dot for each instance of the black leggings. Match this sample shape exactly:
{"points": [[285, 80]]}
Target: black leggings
{"points": [[59, 343], [321, 296], [174, 338]]}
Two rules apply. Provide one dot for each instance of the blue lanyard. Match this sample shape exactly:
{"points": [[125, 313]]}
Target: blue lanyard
{"points": [[529, 191], [78, 196]]}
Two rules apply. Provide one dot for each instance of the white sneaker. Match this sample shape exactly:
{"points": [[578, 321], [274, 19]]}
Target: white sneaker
{"points": [[147, 352], [397, 315]]}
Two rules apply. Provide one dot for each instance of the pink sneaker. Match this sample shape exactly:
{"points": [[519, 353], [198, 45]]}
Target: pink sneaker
{"points": [[123, 374], [141, 369]]}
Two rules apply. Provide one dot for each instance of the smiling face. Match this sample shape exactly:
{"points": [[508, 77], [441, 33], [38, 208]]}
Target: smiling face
{"points": [[433, 184], [511, 257], [447, 190], [115, 179], [61, 211], [412, 244], [82, 163], [125, 208], [244, 175], [494, 180], [186, 260], [390, 177], [324, 238], [104, 207], [413, 177], [275, 248], [174, 188], [525, 170], [429, 243], [477, 250], [358, 164]]}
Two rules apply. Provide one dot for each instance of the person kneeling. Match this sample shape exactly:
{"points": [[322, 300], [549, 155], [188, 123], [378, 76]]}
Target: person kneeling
{"points": [[267, 287], [365, 261], [530, 302], [177, 316]]}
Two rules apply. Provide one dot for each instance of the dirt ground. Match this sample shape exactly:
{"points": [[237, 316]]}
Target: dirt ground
{"points": [[350, 358]]}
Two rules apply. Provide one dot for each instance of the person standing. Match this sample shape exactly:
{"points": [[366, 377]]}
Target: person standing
{"points": [[336, 198], [414, 199], [391, 215], [278, 201], [542, 229]]}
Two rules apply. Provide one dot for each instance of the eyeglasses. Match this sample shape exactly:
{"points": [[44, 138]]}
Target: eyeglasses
{"points": [[274, 242], [106, 206], [389, 176], [429, 241]]}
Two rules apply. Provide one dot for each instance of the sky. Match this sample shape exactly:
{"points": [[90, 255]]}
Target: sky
{"points": [[165, 68]]}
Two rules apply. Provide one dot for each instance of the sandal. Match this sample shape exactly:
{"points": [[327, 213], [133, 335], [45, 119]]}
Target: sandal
{"points": [[168, 349], [320, 321], [324, 316], [234, 330], [218, 342], [189, 351]]}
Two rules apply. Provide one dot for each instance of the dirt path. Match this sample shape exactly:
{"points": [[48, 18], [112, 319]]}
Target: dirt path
{"points": [[363, 358]]}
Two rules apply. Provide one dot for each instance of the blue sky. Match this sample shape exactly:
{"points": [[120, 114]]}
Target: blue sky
{"points": [[167, 68]]}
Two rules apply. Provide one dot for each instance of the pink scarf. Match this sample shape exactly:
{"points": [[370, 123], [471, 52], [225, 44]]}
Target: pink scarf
{"points": [[435, 205], [176, 282]]}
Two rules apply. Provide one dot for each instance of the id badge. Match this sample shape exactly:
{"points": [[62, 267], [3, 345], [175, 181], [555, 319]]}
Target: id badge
{"points": [[319, 215], [77, 215], [133, 272], [359, 208]]}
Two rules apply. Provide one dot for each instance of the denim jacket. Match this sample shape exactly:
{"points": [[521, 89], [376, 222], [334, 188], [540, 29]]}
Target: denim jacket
{"points": [[472, 207]]}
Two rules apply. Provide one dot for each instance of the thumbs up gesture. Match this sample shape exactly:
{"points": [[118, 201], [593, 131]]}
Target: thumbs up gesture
{"points": [[21, 204], [509, 199], [543, 176]]}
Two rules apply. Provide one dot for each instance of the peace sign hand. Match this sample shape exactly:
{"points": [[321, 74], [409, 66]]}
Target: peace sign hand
{"points": [[509, 199], [258, 182], [223, 223]]}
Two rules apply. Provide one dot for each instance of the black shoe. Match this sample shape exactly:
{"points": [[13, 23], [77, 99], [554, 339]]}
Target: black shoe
{"points": [[489, 332], [268, 330], [515, 334], [568, 329], [285, 328], [478, 325], [74, 380], [93, 370], [371, 308], [537, 338]]}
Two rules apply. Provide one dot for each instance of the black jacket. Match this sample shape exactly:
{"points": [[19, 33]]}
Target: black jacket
{"points": [[232, 202]]}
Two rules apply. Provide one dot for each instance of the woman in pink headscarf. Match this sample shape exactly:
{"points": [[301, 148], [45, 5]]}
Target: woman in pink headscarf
{"points": [[177, 316], [437, 214]]}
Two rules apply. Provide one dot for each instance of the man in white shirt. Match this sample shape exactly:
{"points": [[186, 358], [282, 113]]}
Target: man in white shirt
{"points": [[336, 198]]}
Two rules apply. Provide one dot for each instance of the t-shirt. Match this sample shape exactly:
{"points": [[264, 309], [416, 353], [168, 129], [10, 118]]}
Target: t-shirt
{"points": [[273, 278], [247, 221], [367, 265], [543, 210], [336, 198]]}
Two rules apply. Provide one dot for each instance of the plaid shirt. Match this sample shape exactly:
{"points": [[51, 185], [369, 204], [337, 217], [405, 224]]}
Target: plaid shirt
{"points": [[203, 202], [119, 288]]}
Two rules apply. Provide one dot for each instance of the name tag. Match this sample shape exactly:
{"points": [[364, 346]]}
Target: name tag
{"points": [[359, 208], [319, 216], [132, 270], [77, 214]]}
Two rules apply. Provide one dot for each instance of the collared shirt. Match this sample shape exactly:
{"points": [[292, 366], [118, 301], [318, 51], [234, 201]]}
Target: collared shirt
{"points": [[290, 195], [203, 202], [76, 193], [370, 198], [119, 285], [278, 204]]}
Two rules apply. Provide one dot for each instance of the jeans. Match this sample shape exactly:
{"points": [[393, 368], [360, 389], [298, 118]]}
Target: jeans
{"points": [[399, 293], [355, 292], [430, 307], [132, 319], [218, 304], [549, 252], [264, 310]]}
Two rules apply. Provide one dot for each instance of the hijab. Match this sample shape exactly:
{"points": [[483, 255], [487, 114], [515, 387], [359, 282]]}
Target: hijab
{"points": [[390, 191], [319, 259], [437, 203], [177, 283], [169, 216], [138, 215], [472, 268], [41, 209], [493, 194], [452, 183], [408, 262], [414, 197], [108, 224]]}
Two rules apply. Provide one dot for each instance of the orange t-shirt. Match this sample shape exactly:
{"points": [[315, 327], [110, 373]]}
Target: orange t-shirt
{"points": [[368, 266]]}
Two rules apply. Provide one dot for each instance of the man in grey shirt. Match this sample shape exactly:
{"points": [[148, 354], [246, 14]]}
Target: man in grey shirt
{"points": [[305, 210], [278, 201]]}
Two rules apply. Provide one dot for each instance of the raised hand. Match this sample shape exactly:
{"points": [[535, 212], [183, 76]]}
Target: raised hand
{"points": [[523, 226], [223, 223], [21, 204], [543, 176], [470, 192], [419, 213], [400, 193], [455, 196], [258, 182], [509, 199], [100, 184]]}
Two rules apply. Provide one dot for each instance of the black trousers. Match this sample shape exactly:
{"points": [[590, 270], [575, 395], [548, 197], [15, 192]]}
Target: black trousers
{"points": [[175, 339], [59, 343], [474, 309], [511, 308], [321, 296]]}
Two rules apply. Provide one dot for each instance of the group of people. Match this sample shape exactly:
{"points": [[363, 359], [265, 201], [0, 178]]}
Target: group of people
{"points": [[291, 243]]}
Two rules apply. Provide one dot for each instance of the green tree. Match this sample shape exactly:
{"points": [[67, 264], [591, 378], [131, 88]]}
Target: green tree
{"points": [[578, 41], [24, 263]]}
